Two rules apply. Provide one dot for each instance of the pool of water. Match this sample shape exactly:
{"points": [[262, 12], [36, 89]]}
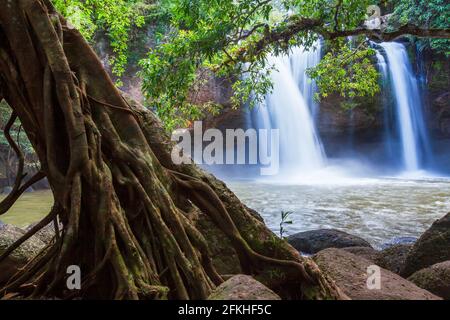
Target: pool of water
{"points": [[31, 207], [377, 209]]}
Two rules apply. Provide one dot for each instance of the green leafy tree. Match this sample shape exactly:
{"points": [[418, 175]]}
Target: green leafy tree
{"points": [[233, 39], [426, 13], [348, 72], [116, 18]]}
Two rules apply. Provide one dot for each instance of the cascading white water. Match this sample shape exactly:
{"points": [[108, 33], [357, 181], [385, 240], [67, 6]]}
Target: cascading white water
{"points": [[409, 113], [301, 60], [286, 108]]}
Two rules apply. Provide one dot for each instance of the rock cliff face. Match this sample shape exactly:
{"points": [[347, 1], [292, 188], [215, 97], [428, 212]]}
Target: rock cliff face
{"points": [[219, 91], [335, 119], [437, 77]]}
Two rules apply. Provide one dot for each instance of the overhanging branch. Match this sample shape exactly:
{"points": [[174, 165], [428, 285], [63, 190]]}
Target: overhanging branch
{"points": [[299, 24], [382, 35]]}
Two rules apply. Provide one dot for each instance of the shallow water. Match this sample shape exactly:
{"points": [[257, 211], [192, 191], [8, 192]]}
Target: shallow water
{"points": [[31, 207], [377, 209]]}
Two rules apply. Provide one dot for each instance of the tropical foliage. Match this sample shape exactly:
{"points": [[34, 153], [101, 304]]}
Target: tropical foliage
{"points": [[114, 17], [233, 39], [228, 39], [428, 14]]}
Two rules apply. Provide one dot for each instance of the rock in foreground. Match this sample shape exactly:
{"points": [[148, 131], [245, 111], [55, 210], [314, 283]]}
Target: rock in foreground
{"points": [[435, 279], [242, 287], [364, 252], [431, 248], [393, 258], [350, 274], [311, 242], [46, 234], [8, 235]]}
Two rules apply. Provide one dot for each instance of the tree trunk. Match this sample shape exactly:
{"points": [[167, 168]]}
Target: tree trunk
{"points": [[124, 206]]}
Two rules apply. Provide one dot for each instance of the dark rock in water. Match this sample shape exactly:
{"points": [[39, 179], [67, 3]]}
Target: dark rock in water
{"points": [[431, 248], [350, 272], [435, 279], [317, 240], [399, 241], [8, 235], [365, 252], [242, 287], [393, 258]]}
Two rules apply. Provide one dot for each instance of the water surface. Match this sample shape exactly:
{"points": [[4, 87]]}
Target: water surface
{"points": [[31, 207], [377, 209]]}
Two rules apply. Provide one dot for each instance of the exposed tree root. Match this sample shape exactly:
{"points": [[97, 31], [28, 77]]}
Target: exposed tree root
{"points": [[18, 188], [121, 202]]}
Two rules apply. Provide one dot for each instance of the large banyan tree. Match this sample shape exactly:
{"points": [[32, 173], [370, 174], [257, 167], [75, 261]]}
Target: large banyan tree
{"points": [[126, 211], [124, 206]]}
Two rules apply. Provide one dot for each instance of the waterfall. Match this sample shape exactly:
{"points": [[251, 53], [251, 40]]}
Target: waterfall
{"points": [[408, 106], [290, 108], [389, 147], [301, 60]]}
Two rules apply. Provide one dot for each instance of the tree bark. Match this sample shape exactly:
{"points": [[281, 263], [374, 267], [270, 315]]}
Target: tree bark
{"points": [[124, 206]]}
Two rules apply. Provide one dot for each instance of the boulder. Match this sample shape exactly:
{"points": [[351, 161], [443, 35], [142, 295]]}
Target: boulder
{"points": [[350, 272], [435, 279], [431, 248], [46, 234], [242, 287], [393, 258], [316, 240], [365, 252], [8, 235]]}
